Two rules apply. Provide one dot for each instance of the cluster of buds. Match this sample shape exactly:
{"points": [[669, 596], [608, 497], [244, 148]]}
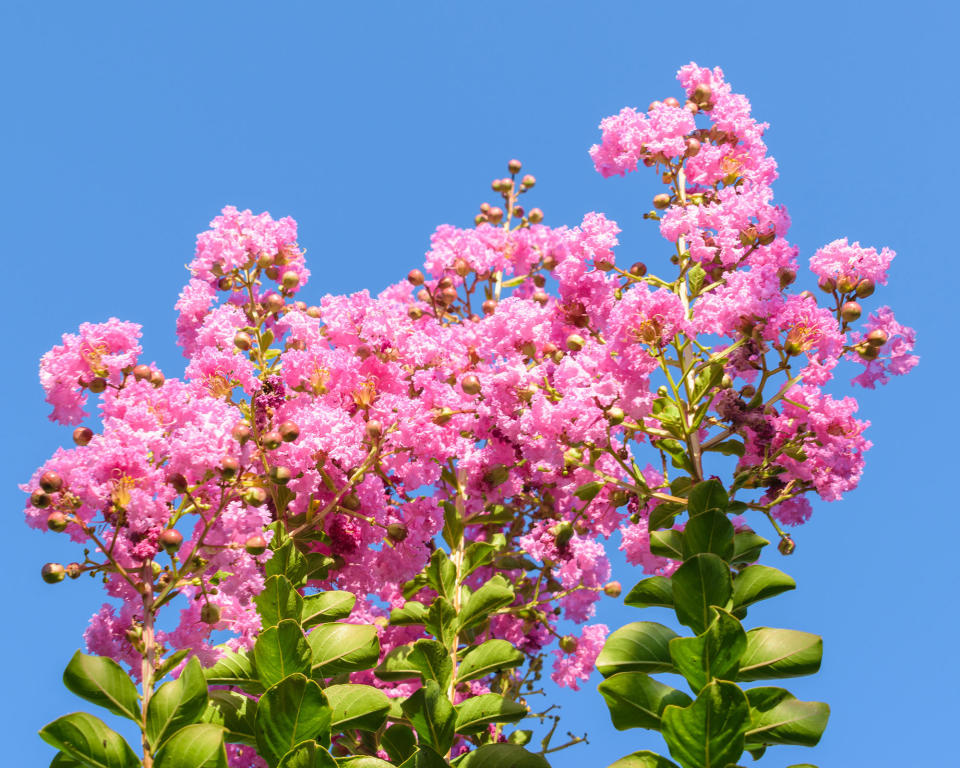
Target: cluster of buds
{"points": [[510, 189]]}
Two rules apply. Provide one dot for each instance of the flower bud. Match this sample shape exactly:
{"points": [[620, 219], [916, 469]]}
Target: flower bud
{"points": [[568, 644], [255, 496], [256, 545], [273, 303], [241, 432], [280, 475], [289, 431], [290, 280], [374, 429], [265, 260], [397, 531], [74, 570], [82, 435], [97, 385], [612, 589], [225, 283], [57, 522], [171, 540], [702, 93], [846, 283], [40, 499], [786, 545], [868, 352], [787, 276], [693, 147], [535, 217], [638, 269], [141, 372], [615, 415], [470, 384], [351, 502], [850, 311], [271, 439], [827, 284], [242, 341], [575, 342], [51, 482], [529, 181], [229, 468], [157, 379], [514, 166], [670, 101], [272, 272], [876, 338], [210, 613], [52, 573], [661, 201], [414, 313], [495, 214], [865, 288]]}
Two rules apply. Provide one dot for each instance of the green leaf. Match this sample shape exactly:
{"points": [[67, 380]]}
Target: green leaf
{"points": [[710, 732], [709, 532], [657, 591], [233, 712], [502, 756], [424, 758], [707, 379], [342, 647], [326, 606], [729, 448], [707, 495], [644, 759], [441, 573], [476, 712], [195, 746], [442, 621], [773, 653], [177, 703], [280, 651], [235, 669], [477, 554], [588, 491], [432, 715], [667, 543], [362, 707], [102, 681], [452, 526], [63, 760], [88, 740], [432, 661], [362, 761], [398, 742], [287, 561], [278, 600], [307, 754], [677, 452], [396, 665], [637, 700], [777, 717], [487, 658], [663, 515], [292, 711], [411, 613], [642, 646], [702, 581], [713, 655], [758, 582], [747, 547], [495, 594], [697, 274]]}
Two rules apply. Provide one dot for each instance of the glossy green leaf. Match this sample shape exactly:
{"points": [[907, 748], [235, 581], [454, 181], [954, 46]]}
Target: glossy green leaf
{"points": [[63, 760], [712, 655], [432, 715], [478, 553], [278, 600], [702, 581], [177, 703], [101, 680], [88, 740], [452, 525], [777, 717], [711, 374], [195, 746], [441, 573], [235, 669], [643, 759], [747, 547], [328, 606], [292, 711], [399, 742], [709, 532], [233, 712], [442, 621], [342, 647], [171, 661], [668, 543], [396, 665], [360, 707], [589, 490], [729, 448], [656, 591], [503, 756], [307, 754], [280, 651], [663, 515], [642, 646], [774, 653], [707, 495], [476, 712], [362, 761], [433, 661], [710, 732], [411, 613], [494, 594], [637, 700], [287, 561], [486, 658], [758, 582], [424, 757]]}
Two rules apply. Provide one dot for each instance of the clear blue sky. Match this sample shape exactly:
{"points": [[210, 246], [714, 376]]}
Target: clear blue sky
{"points": [[127, 126]]}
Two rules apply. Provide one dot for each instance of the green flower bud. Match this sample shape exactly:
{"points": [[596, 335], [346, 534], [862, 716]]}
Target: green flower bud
{"points": [[470, 384], [256, 545], [57, 522], [289, 431], [52, 573], [612, 589], [575, 342], [255, 496], [568, 644], [210, 613], [171, 540]]}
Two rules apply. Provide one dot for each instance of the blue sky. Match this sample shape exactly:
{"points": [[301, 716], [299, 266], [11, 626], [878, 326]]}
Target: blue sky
{"points": [[127, 128]]}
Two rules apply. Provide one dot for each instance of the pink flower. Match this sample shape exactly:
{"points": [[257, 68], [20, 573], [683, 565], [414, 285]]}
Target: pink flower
{"points": [[568, 668], [839, 259]]}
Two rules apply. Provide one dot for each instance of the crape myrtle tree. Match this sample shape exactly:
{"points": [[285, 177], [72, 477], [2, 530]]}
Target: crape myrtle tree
{"points": [[370, 523]]}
